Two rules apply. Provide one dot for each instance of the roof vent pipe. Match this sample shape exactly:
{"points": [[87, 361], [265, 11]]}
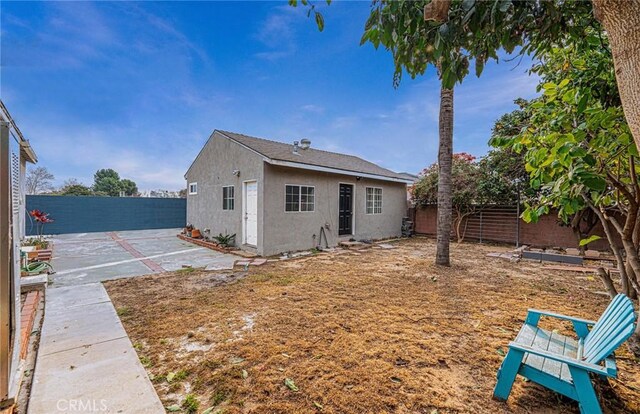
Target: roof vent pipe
{"points": [[295, 147], [305, 143]]}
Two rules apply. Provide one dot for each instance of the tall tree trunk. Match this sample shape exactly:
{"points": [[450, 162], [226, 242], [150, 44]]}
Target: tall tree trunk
{"points": [[621, 20], [445, 150]]}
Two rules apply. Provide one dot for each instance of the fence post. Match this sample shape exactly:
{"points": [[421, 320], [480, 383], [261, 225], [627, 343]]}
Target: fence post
{"points": [[518, 224]]}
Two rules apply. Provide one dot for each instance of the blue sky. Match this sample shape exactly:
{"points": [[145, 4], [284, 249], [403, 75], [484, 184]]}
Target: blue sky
{"points": [[139, 87]]}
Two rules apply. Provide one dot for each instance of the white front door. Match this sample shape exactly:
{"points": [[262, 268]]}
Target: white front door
{"points": [[251, 213]]}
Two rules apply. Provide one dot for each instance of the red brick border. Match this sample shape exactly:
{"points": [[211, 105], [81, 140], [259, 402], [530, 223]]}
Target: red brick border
{"points": [[204, 243], [27, 317], [135, 253]]}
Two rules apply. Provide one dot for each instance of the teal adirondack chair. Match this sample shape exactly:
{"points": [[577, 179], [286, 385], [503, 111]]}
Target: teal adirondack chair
{"points": [[563, 364]]}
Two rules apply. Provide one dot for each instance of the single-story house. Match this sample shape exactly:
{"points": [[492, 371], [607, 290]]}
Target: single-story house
{"points": [[278, 197]]}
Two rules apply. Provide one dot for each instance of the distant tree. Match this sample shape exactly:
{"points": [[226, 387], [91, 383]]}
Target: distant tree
{"points": [[105, 173], [182, 193], [108, 185], [39, 180], [107, 182], [72, 187], [71, 181], [129, 187]]}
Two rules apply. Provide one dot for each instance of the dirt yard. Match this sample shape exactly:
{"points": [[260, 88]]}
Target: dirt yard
{"points": [[378, 331]]}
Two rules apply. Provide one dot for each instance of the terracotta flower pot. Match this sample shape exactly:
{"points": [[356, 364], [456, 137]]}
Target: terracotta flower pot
{"points": [[195, 233]]}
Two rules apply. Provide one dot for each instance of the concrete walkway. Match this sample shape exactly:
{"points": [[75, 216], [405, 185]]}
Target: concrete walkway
{"points": [[86, 362]]}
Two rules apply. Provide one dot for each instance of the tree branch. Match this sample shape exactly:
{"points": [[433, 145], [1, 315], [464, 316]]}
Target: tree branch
{"points": [[622, 188], [634, 177]]}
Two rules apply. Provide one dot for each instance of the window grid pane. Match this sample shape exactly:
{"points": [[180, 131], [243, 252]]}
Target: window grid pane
{"points": [[307, 198], [292, 198], [228, 197], [373, 200]]}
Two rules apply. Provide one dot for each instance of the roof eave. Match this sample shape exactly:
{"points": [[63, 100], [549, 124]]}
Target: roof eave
{"points": [[310, 167], [29, 153], [25, 147]]}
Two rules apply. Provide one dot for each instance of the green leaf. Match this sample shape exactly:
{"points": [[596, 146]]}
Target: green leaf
{"points": [[589, 239], [320, 21], [479, 67], [582, 104], [594, 182], [173, 408], [291, 384]]}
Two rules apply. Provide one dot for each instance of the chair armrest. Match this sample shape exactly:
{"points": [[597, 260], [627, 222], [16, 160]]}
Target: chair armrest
{"points": [[559, 316], [587, 366], [581, 326]]}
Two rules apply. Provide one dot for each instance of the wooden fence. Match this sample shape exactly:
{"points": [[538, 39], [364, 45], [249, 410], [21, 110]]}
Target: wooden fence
{"points": [[502, 224]]}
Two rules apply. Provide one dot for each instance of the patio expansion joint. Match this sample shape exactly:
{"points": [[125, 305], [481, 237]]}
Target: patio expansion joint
{"points": [[79, 305], [85, 346]]}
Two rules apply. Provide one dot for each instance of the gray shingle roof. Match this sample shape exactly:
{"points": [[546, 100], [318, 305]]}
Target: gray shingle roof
{"points": [[284, 152]]}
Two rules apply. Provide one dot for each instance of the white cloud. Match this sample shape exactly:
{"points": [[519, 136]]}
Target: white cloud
{"points": [[277, 33], [81, 151], [316, 109]]}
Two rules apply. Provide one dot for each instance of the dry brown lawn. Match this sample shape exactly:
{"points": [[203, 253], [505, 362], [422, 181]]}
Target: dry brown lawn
{"points": [[378, 331]]}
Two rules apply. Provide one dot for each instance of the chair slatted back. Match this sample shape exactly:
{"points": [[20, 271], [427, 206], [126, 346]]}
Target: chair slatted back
{"points": [[613, 328]]}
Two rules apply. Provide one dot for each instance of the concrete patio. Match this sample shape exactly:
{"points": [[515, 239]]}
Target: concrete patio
{"points": [[94, 257]]}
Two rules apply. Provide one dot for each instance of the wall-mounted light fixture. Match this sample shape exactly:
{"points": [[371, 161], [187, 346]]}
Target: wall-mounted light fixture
{"points": [[358, 178], [236, 173]]}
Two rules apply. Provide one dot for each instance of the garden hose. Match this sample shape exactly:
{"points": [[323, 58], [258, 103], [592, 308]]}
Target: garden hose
{"points": [[35, 268]]}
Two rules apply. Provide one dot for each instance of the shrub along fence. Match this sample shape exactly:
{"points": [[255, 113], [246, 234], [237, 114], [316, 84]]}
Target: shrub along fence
{"points": [[80, 214], [502, 224]]}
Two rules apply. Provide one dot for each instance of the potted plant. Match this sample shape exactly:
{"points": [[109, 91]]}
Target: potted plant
{"points": [[41, 218]]}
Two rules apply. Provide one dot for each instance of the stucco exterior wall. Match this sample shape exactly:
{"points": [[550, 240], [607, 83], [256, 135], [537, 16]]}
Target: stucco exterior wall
{"points": [[212, 170], [291, 231]]}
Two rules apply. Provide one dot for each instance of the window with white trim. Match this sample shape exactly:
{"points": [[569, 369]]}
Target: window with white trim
{"points": [[228, 197], [299, 198], [374, 200], [193, 188]]}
